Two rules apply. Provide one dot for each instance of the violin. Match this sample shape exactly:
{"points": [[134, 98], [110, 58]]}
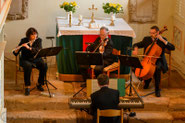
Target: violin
{"points": [[101, 45], [152, 52]]}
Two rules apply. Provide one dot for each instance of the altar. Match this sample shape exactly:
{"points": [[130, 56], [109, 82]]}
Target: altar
{"points": [[74, 39]]}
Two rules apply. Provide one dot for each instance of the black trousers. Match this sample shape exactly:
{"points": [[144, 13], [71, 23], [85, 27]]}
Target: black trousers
{"points": [[98, 69], [157, 77], [28, 65]]}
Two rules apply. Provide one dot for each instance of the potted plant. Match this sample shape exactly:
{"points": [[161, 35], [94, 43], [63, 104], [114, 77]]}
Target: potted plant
{"points": [[112, 8]]}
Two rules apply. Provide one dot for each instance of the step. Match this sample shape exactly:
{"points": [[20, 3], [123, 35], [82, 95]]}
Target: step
{"points": [[178, 116], [72, 116], [54, 116], [16, 100], [36, 102], [155, 104], [177, 104], [151, 117], [60, 102], [158, 117]]}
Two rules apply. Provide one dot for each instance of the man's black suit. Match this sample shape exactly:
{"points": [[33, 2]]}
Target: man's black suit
{"points": [[161, 63], [107, 58], [105, 98]]}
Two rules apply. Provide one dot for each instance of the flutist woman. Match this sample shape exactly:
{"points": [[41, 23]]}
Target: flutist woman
{"points": [[28, 47]]}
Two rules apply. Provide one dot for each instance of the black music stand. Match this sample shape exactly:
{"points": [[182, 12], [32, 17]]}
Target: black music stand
{"points": [[52, 51], [131, 62], [88, 58]]}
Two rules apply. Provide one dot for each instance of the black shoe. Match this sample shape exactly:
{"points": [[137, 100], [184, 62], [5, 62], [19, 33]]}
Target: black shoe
{"points": [[157, 94], [27, 92], [40, 88]]}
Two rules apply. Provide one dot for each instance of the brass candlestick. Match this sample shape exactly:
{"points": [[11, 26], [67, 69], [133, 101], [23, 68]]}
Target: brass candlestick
{"points": [[80, 22]]}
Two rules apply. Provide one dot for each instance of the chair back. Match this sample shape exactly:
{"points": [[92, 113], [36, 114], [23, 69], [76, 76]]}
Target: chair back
{"points": [[116, 52], [113, 67], [109, 113]]}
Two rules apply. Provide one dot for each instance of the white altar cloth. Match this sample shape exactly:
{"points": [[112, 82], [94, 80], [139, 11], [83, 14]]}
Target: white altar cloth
{"points": [[121, 28]]}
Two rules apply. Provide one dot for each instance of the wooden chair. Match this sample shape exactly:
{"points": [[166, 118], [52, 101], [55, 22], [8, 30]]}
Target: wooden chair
{"points": [[19, 69], [169, 61], [109, 113], [113, 67]]}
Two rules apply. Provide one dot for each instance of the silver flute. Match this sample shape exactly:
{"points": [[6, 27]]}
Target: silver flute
{"points": [[19, 47]]}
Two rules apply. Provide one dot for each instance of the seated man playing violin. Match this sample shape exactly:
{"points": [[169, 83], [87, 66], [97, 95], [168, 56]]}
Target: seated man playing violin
{"points": [[103, 44], [161, 64]]}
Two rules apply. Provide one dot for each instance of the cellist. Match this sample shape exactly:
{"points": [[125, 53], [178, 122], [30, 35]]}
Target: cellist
{"points": [[161, 64]]}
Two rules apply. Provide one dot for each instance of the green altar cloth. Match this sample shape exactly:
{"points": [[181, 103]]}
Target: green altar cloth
{"points": [[66, 60]]}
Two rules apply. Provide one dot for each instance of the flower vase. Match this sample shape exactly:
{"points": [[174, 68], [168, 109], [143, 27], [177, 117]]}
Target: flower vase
{"points": [[113, 17], [70, 18]]}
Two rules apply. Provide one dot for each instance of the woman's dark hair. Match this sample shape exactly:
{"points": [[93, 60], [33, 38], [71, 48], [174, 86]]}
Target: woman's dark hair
{"points": [[31, 31]]}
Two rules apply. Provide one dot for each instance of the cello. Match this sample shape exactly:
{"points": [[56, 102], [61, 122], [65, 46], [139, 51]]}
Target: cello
{"points": [[152, 52]]}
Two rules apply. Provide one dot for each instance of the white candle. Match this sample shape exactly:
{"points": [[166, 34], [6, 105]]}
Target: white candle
{"points": [[80, 17]]}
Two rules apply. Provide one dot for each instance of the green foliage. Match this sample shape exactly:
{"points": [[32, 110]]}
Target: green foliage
{"points": [[69, 6], [111, 7]]}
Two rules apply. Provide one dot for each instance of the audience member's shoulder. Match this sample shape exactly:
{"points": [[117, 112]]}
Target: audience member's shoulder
{"points": [[114, 90], [95, 93]]}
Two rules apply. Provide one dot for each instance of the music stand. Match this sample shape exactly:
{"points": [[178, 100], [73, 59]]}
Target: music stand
{"points": [[52, 51], [85, 58], [88, 58], [131, 62]]}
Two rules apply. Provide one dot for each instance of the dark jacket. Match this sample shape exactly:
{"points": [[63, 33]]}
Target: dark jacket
{"points": [[107, 55], [161, 62], [27, 54], [105, 98]]}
